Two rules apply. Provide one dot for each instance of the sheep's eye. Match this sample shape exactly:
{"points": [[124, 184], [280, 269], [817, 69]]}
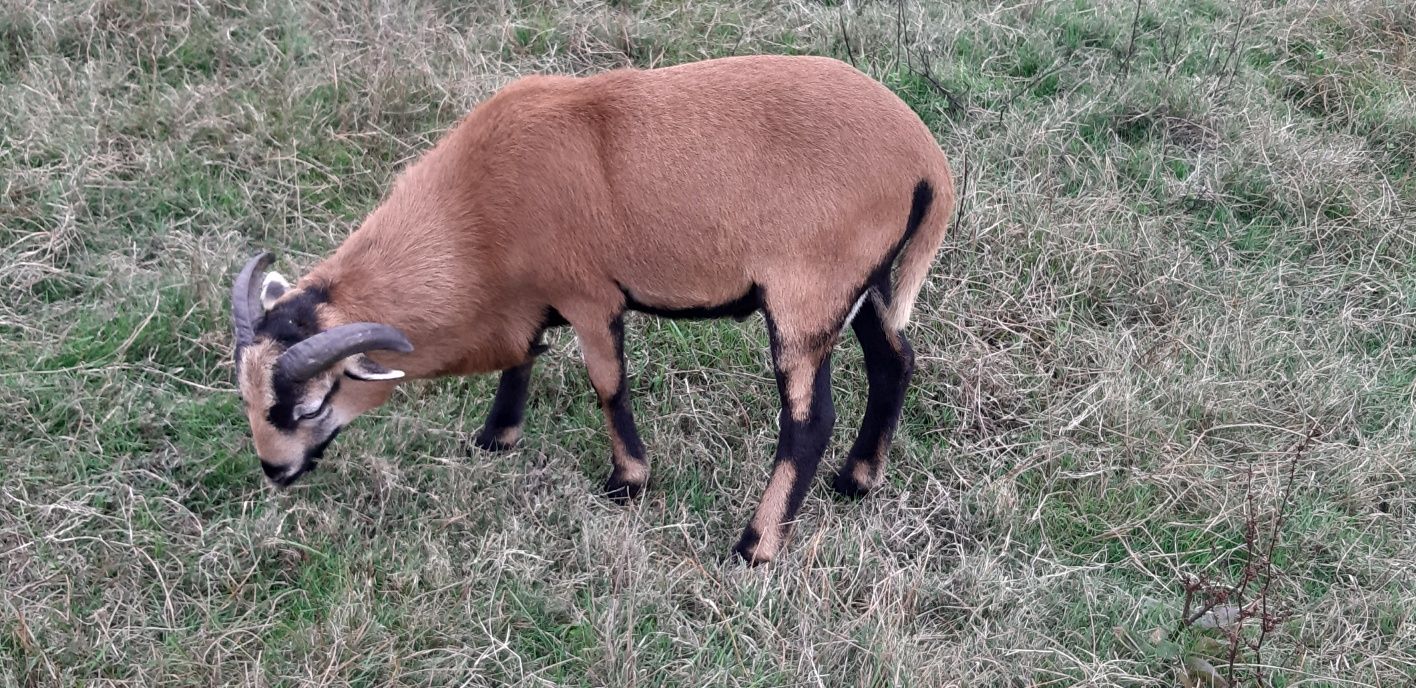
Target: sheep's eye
{"points": [[324, 405]]}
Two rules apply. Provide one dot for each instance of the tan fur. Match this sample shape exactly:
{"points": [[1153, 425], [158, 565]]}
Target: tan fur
{"points": [[867, 473], [509, 436], [287, 449], [627, 468], [685, 187], [767, 520], [257, 396], [799, 361]]}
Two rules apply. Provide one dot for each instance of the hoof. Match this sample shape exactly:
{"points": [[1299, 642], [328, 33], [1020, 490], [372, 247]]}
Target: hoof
{"points": [[848, 487], [497, 440], [620, 491], [855, 480], [752, 550]]}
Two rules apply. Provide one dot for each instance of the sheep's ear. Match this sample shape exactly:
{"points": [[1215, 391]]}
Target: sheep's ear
{"points": [[362, 368], [272, 289]]}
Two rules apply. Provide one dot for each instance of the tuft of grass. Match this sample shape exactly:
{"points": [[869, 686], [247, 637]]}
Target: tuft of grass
{"points": [[1186, 238]]}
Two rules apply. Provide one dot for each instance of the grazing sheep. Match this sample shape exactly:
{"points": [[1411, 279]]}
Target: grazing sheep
{"points": [[789, 185]]}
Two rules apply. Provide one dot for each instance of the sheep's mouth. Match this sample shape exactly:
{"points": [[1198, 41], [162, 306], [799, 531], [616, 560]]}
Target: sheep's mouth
{"points": [[283, 477]]}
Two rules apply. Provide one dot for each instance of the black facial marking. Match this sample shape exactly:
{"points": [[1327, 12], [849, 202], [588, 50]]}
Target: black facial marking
{"points": [[315, 454], [294, 319], [287, 323], [288, 395], [738, 309], [312, 458]]}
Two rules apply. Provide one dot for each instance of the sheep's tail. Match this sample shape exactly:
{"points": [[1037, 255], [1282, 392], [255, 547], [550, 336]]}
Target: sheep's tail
{"points": [[924, 233]]}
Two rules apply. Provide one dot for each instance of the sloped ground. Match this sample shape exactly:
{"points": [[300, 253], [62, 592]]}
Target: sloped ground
{"points": [[1187, 243]]}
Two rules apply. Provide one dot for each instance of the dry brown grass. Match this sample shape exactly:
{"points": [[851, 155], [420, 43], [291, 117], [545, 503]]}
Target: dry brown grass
{"points": [[1187, 238]]}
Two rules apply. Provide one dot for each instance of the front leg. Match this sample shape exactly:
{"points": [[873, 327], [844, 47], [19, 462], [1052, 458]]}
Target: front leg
{"points": [[602, 342], [503, 426]]}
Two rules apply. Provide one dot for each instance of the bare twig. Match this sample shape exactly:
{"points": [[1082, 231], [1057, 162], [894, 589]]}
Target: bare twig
{"points": [[1131, 46], [846, 37], [900, 30], [1231, 61], [1017, 93], [962, 194], [926, 72], [1268, 620]]}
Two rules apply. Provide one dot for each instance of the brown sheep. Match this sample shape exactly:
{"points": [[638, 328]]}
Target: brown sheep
{"points": [[789, 185]]}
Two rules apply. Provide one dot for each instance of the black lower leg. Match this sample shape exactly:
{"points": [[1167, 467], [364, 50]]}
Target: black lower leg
{"points": [[800, 445], [889, 364], [809, 440], [630, 472], [503, 426]]}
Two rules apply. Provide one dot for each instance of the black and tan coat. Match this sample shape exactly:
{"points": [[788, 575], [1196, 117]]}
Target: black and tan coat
{"points": [[794, 186]]}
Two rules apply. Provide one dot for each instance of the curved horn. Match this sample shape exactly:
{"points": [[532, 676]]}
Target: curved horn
{"points": [[316, 354], [246, 299]]}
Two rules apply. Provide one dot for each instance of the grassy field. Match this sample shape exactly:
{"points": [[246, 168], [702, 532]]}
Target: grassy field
{"points": [[1187, 243]]}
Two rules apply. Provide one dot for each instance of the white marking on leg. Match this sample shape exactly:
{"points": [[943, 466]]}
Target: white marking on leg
{"points": [[854, 309]]}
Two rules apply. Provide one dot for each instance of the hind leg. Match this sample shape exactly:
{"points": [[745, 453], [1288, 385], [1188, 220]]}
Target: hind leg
{"points": [[802, 363], [889, 364]]}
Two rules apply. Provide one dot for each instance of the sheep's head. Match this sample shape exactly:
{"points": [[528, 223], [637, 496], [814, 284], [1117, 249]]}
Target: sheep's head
{"points": [[300, 380]]}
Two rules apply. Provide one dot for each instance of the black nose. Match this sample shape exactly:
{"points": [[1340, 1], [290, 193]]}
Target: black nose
{"points": [[275, 473]]}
